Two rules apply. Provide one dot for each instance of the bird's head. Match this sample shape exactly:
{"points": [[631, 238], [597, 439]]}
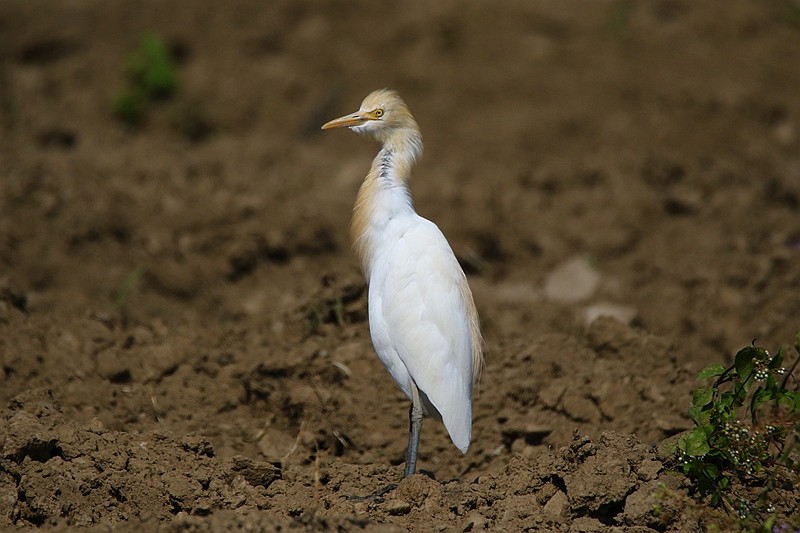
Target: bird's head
{"points": [[383, 115]]}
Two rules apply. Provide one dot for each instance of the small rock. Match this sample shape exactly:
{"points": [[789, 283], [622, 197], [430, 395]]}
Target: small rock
{"points": [[649, 469], [639, 505], [572, 281], [623, 313], [175, 278], [585, 524], [95, 425], [256, 473], [475, 522], [8, 494], [180, 487], [609, 337], [529, 432], [555, 506], [397, 507], [141, 336]]}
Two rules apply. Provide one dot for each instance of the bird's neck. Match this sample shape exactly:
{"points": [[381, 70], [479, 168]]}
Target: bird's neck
{"points": [[399, 154], [383, 196]]}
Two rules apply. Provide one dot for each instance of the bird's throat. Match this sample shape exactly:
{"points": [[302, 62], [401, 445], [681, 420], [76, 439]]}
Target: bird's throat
{"points": [[386, 170], [383, 196]]}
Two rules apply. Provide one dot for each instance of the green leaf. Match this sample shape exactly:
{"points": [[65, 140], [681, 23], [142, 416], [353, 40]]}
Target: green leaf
{"points": [[770, 384], [152, 69], [700, 416], [695, 443], [698, 410], [711, 371], [702, 396], [743, 363], [776, 361], [740, 390], [726, 400], [129, 107], [711, 470], [790, 399]]}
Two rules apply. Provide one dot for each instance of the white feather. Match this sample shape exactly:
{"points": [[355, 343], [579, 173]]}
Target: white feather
{"points": [[419, 322]]}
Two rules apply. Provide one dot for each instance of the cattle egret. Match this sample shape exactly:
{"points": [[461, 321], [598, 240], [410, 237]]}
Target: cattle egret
{"points": [[422, 318]]}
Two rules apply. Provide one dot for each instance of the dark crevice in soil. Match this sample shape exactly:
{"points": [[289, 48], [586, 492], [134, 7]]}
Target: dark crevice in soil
{"points": [[39, 450]]}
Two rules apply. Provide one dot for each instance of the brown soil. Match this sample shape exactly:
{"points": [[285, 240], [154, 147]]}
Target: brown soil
{"points": [[183, 335]]}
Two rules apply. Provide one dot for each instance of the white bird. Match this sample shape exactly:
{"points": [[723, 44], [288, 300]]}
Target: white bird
{"points": [[422, 317]]}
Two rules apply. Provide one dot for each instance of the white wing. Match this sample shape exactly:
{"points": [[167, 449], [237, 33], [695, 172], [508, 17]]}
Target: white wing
{"points": [[421, 323]]}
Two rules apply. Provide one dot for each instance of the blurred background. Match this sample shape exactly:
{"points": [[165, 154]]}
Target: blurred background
{"points": [[659, 139], [174, 225]]}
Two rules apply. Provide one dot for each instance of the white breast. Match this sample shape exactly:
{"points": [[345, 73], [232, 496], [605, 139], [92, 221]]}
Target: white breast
{"points": [[419, 320]]}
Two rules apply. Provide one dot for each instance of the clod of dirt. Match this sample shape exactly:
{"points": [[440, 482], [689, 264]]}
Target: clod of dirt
{"points": [[601, 483], [58, 470], [258, 474]]}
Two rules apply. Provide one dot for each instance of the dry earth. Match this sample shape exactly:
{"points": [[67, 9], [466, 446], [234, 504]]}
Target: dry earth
{"points": [[183, 336]]}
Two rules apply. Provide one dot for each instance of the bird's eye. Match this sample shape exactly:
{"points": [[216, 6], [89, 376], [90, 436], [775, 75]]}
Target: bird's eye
{"points": [[378, 113]]}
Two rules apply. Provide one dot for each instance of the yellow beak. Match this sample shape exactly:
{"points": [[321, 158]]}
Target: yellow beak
{"points": [[353, 119]]}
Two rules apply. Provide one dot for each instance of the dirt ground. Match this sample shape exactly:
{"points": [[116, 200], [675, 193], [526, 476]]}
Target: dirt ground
{"points": [[183, 334]]}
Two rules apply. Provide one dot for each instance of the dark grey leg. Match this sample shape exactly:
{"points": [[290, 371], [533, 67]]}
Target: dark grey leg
{"points": [[415, 427]]}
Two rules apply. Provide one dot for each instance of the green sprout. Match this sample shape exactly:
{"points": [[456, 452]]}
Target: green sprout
{"points": [[129, 106], [152, 76], [747, 426], [151, 68]]}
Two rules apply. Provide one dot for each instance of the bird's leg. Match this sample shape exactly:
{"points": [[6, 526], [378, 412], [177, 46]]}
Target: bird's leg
{"points": [[415, 427]]}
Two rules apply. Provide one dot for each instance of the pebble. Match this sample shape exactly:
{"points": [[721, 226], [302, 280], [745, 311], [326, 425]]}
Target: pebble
{"points": [[475, 522], [397, 507], [572, 281], [555, 506], [622, 313]]}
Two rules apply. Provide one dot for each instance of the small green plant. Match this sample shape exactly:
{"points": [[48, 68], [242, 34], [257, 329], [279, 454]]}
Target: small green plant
{"points": [[152, 69], [747, 429], [152, 75], [127, 286], [129, 106]]}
